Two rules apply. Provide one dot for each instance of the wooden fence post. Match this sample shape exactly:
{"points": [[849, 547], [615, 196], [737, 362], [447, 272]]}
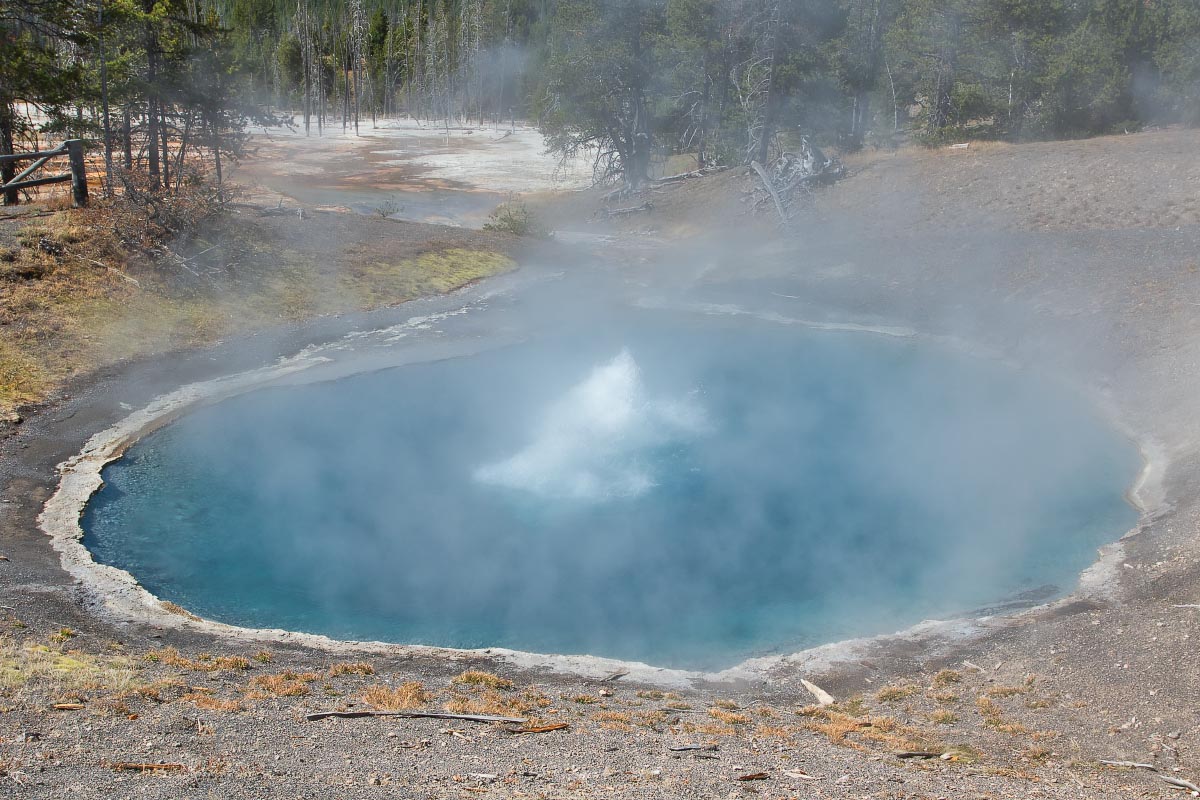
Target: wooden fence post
{"points": [[79, 187]]}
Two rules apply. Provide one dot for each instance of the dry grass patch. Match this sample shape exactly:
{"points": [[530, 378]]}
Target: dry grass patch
{"points": [[895, 692], [53, 670], [80, 289], [351, 668], [488, 702], [710, 729], [1007, 691], [585, 699], [838, 726], [614, 720], [171, 657], [231, 662], [208, 702], [655, 720], [943, 717], [728, 717], [160, 691], [486, 680], [377, 283], [947, 677], [408, 695], [177, 610], [287, 683], [773, 732], [993, 717]]}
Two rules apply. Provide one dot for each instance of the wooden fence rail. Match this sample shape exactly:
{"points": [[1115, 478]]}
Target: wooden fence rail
{"points": [[77, 174]]}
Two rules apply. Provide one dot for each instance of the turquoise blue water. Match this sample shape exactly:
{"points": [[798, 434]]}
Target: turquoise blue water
{"points": [[686, 492]]}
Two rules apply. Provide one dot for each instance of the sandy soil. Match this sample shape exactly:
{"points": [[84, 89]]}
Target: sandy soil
{"points": [[1096, 287]]}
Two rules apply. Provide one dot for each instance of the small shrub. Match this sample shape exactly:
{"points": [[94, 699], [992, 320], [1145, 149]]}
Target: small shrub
{"points": [[389, 207], [516, 218]]}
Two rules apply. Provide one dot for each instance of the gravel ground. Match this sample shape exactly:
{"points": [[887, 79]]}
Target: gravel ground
{"points": [[947, 244]]}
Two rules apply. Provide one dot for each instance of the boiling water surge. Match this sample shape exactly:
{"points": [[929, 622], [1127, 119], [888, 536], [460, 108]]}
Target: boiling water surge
{"points": [[595, 441]]}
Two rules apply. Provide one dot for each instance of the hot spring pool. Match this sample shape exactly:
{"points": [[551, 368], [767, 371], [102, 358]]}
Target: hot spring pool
{"points": [[678, 490]]}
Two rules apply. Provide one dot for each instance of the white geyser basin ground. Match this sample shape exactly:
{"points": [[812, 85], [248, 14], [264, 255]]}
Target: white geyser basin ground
{"points": [[412, 170]]}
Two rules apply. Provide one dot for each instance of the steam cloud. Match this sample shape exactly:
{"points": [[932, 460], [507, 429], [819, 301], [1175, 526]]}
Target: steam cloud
{"points": [[593, 442]]}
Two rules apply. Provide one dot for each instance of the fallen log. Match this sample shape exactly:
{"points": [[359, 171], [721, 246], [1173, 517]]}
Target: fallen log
{"points": [[679, 748], [696, 173], [766, 180], [134, 766], [621, 212], [320, 715]]}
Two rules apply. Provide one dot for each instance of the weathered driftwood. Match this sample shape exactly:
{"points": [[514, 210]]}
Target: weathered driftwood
{"points": [[135, 766], [412, 715], [801, 775], [553, 726], [680, 748], [1129, 764], [1180, 783], [917, 754], [823, 697]]}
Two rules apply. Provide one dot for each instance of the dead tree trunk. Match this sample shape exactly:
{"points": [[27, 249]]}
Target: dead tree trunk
{"points": [[8, 126]]}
